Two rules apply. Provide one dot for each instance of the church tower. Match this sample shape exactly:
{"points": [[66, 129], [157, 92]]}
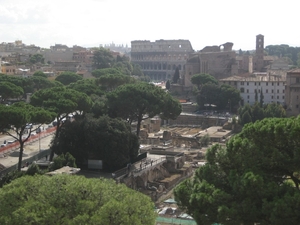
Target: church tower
{"points": [[259, 53]]}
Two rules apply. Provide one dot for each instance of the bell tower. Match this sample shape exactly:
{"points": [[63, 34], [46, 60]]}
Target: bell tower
{"points": [[259, 53]]}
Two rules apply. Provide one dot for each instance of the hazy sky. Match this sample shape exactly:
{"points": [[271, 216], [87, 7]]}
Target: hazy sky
{"points": [[203, 22]]}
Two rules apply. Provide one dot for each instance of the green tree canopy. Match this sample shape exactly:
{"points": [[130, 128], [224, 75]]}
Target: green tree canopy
{"points": [[168, 85], [110, 81], [203, 78], [135, 102], [104, 138], [255, 179], [87, 86], [298, 59], [102, 58], [137, 70], [64, 199], [99, 107], [229, 95], [10, 90], [261, 98], [274, 110], [223, 97], [125, 67], [209, 95], [39, 74], [37, 58], [67, 78], [255, 112], [40, 82], [24, 83], [284, 51], [62, 101], [144, 78], [62, 160], [17, 116], [106, 71]]}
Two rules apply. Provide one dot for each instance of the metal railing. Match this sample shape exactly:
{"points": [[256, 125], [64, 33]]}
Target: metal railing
{"points": [[36, 157], [138, 167], [148, 163]]}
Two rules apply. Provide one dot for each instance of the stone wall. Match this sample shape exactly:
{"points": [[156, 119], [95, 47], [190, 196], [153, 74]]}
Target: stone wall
{"points": [[197, 120], [220, 64], [189, 107]]}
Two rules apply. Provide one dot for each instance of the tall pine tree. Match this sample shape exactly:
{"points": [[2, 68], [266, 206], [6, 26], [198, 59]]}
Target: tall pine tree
{"points": [[261, 98], [176, 76], [168, 85]]}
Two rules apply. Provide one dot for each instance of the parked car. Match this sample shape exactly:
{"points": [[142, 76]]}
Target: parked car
{"points": [[28, 126], [12, 141]]}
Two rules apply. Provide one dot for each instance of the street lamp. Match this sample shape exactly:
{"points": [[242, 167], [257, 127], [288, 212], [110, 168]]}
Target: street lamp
{"points": [[39, 130], [39, 141]]}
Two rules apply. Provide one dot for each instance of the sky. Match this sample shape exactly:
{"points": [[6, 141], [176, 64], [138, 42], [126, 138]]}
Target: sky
{"points": [[90, 23]]}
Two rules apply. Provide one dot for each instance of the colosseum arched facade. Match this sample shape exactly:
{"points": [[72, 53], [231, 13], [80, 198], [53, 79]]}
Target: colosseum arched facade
{"points": [[159, 59]]}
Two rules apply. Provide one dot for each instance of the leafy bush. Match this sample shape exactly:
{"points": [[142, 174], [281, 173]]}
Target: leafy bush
{"points": [[61, 161], [205, 140]]}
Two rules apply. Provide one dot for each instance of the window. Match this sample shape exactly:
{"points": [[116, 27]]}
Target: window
{"points": [[266, 90], [259, 83], [277, 91], [242, 90], [255, 83], [247, 90], [272, 91], [248, 97], [234, 82], [277, 97], [267, 84], [277, 83], [242, 82], [283, 91], [272, 97], [283, 97], [247, 83], [272, 83], [297, 80], [297, 106]]}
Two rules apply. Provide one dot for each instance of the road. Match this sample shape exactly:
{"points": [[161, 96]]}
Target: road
{"points": [[10, 156]]}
